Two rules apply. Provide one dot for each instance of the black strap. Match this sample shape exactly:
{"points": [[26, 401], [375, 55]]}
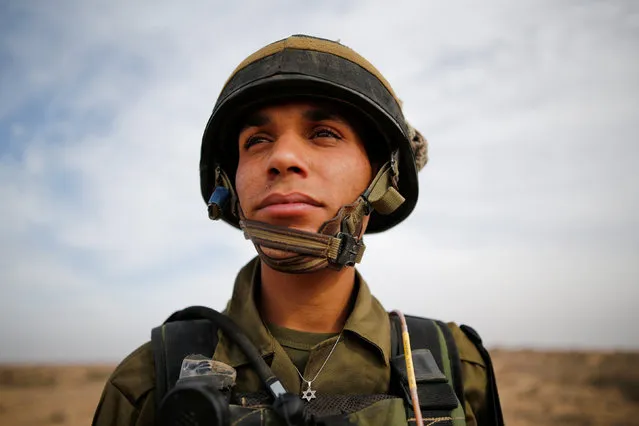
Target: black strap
{"points": [[160, 365], [424, 335], [396, 333], [172, 342], [435, 398], [493, 404]]}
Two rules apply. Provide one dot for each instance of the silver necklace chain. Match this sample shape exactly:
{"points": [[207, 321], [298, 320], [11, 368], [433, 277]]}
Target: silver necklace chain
{"points": [[309, 393]]}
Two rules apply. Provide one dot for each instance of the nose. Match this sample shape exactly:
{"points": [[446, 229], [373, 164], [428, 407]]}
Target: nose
{"points": [[287, 156]]}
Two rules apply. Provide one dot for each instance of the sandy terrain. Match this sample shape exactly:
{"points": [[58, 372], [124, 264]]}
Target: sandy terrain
{"points": [[537, 388]]}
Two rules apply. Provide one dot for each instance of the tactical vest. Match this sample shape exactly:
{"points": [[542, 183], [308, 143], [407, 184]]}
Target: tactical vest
{"points": [[436, 364]]}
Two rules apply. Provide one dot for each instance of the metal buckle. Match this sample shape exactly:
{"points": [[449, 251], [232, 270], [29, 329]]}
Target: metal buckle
{"points": [[349, 249]]}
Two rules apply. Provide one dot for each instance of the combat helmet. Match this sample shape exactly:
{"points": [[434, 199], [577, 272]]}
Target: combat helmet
{"points": [[305, 66]]}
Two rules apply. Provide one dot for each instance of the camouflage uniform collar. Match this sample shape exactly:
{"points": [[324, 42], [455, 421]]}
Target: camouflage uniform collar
{"points": [[368, 320]]}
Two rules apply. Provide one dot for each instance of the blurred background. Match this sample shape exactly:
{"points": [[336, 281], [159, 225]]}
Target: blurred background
{"points": [[527, 226]]}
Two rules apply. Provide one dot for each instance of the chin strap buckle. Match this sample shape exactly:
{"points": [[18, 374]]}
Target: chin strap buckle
{"points": [[351, 250]]}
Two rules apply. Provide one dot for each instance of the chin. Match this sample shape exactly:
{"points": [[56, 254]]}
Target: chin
{"points": [[299, 223], [277, 254]]}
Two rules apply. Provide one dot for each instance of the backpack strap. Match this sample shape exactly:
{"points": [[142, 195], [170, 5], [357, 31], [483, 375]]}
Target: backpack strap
{"points": [[493, 404], [437, 369], [174, 340]]}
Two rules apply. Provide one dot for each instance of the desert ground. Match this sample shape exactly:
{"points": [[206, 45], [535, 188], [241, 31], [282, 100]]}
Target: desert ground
{"points": [[536, 388]]}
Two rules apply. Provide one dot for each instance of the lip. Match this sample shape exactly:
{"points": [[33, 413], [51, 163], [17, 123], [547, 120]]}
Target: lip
{"points": [[296, 198]]}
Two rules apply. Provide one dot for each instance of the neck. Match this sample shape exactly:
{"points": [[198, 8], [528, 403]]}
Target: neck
{"points": [[316, 302]]}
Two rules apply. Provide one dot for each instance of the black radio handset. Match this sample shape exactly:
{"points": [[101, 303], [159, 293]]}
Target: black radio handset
{"points": [[200, 403]]}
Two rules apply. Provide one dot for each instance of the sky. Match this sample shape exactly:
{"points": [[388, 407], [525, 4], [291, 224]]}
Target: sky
{"points": [[527, 225]]}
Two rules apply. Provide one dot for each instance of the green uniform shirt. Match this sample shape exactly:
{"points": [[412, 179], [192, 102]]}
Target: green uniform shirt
{"points": [[298, 344], [358, 365]]}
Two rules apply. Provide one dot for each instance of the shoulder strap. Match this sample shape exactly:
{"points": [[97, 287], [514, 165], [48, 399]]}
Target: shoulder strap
{"points": [[440, 386], [424, 335], [172, 342], [494, 412]]}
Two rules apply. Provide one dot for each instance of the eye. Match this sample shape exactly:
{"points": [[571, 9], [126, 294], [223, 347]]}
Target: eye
{"points": [[254, 140], [326, 133]]}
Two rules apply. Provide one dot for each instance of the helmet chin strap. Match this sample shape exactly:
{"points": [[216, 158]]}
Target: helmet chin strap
{"points": [[338, 242]]}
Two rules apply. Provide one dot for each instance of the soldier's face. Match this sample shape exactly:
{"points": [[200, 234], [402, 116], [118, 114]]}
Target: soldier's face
{"points": [[298, 164]]}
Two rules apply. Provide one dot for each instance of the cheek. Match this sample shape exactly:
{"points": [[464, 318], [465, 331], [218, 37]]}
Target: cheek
{"points": [[243, 185], [352, 175]]}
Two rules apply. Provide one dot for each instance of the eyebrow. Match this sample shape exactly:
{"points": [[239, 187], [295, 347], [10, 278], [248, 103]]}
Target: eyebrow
{"points": [[315, 114], [255, 120], [321, 114]]}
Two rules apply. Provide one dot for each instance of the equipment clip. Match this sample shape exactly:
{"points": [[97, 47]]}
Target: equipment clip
{"points": [[351, 250]]}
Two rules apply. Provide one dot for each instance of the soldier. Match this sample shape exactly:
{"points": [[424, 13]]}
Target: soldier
{"points": [[307, 149]]}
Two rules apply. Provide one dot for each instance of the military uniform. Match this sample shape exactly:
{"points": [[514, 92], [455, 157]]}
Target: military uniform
{"points": [[359, 365]]}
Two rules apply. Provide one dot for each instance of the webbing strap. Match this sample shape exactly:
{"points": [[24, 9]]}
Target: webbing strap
{"points": [[160, 364], [437, 399], [297, 264], [337, 244], [313, 250], [289, 239], [382, 194]]}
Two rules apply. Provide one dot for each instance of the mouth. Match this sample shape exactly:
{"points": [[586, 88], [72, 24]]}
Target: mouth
{"points": [[287, 201]]}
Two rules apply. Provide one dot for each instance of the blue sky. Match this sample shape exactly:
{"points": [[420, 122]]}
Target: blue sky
{"points": [[527, 225]]}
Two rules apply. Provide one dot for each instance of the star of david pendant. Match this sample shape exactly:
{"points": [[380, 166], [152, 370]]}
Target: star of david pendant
{"points": [[309, 393]]}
